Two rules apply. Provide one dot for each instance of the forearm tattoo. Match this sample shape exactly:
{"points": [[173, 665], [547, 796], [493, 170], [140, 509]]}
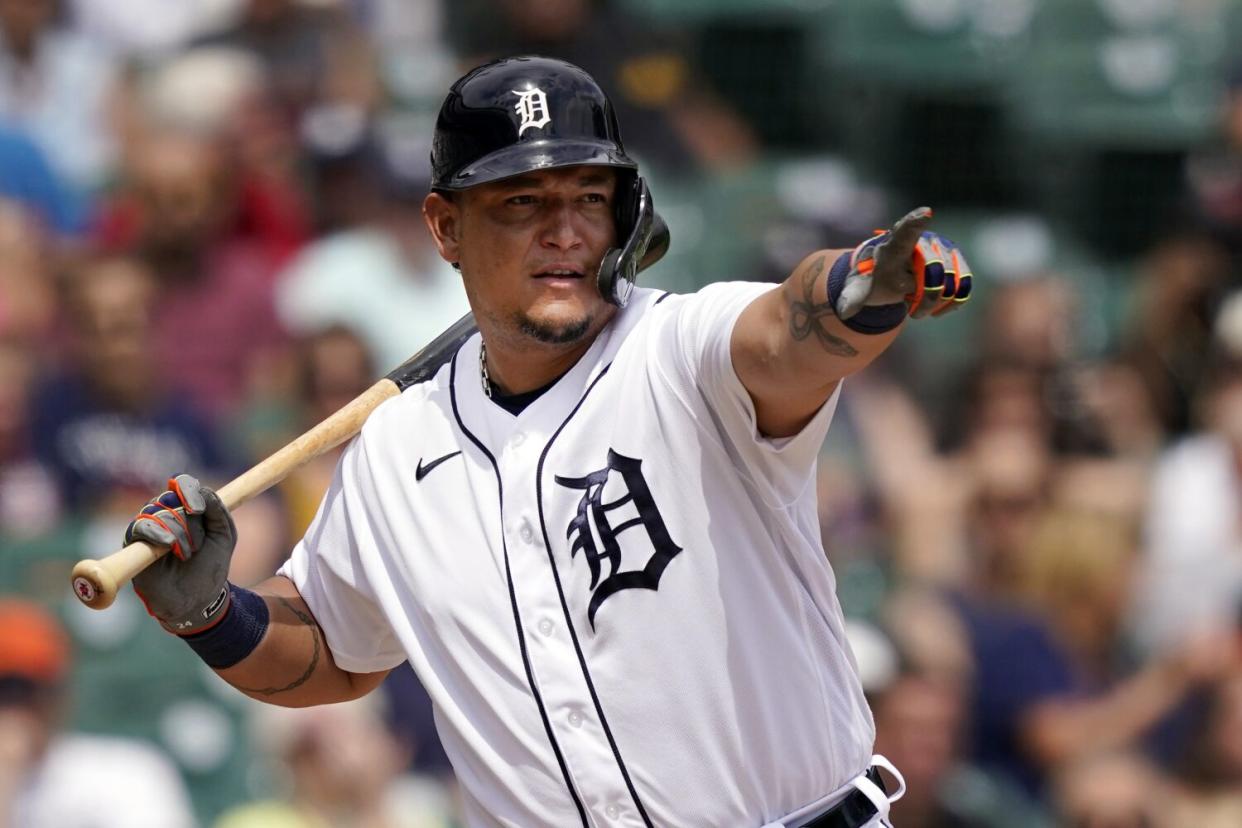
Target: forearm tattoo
{"points": [[314, 662], [806, 314]]}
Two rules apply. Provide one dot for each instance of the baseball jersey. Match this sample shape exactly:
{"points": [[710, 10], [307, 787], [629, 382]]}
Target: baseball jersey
{"points": [[617, 600]]}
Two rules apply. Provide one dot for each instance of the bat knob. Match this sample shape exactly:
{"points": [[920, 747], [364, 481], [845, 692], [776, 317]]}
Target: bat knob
{"points": [[94, 585]]}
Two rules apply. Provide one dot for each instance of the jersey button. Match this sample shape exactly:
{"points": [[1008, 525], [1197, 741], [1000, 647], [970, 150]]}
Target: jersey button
{"points": [[575, 718], [612, 812], [545, 627], [525, 532], [517, 439]]}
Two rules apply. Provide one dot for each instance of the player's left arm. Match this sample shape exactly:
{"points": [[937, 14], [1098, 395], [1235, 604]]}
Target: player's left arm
{"points": [[838, 311]]}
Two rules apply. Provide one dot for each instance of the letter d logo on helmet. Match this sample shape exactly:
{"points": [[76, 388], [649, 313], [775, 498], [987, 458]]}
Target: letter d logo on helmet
{"points": [[532, 105], [522, 114]]}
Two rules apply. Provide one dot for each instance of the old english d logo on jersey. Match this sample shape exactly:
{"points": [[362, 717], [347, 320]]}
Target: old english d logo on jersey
{"points": [[624, 473], [532, 108]]}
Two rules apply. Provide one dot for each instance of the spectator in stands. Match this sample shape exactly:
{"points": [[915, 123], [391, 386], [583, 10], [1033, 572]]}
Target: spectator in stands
{"points": [[211, 280], [380, 275], [1028, 374], [1210, 778], [1182, 280], [221, 98], [409, 716], [343, 768], [107, 425], [920, 724], [1011, 470], [1031, 322], [53, 779], [1114, 789], [29, 501], [1191, 569], [27, 277], [57, 86], [1077, 569], [331, 367], [1119, 405]]}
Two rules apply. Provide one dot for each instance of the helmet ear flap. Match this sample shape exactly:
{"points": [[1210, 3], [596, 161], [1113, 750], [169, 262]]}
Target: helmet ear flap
{"points": [[636, 229], [610, 278]]}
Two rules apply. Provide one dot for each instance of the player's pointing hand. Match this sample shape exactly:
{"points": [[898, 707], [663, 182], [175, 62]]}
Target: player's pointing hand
{"points": [[907, 264]]}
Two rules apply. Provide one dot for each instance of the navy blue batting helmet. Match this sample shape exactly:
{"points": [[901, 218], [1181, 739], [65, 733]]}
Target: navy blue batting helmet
{"points": [[521, 114]]}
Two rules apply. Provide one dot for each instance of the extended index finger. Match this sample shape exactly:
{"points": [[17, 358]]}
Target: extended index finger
{"points": [[907, 232]]}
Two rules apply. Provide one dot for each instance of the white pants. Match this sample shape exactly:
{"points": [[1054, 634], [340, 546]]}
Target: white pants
{"points": [[870, 790]]}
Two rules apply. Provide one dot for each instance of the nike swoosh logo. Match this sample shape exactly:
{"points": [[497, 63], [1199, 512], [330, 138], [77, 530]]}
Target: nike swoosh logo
{"points": [[422, 471]]}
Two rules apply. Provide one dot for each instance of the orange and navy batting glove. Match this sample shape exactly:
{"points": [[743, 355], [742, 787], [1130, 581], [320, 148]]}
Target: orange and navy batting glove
{"points": [[165, 518], [905, 271], [186, 591]]}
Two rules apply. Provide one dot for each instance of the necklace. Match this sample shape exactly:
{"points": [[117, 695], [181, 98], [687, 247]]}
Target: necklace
{"points": [[487, 381]]}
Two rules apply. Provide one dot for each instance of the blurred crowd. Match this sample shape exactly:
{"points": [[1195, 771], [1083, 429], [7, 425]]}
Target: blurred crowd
{"points": [[211, 238]]}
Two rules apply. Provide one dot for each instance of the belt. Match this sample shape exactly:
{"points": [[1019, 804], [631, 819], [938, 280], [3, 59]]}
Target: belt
{"points": [[852, 812]]}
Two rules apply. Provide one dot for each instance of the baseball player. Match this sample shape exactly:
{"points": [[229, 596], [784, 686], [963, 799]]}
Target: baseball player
{"points": [[593, 531]]}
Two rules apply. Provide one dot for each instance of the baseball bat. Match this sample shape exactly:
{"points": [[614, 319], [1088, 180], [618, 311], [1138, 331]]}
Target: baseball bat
{"points": [[96, 582]]}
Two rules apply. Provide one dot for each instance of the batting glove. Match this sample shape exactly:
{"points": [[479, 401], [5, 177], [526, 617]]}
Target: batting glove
{"points": [[906, 264], [187, 590]]}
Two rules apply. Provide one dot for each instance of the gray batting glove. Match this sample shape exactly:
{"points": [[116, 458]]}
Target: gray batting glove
{"points": [[186, 590], [907, 264]]}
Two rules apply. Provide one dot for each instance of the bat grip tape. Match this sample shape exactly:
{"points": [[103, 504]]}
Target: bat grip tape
{"points": [[873, 319], [236, 635]]}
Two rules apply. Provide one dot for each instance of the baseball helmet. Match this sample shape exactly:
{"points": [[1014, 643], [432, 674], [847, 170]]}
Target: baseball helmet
{"points": [[521, 114]]}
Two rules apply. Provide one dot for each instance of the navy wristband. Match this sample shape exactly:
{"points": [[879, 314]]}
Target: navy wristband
{"points": [[236, 635], [876, 319]]}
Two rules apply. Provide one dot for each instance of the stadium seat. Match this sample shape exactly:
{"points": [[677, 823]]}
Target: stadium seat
{"points": [[922, 45], [1124, 90]]}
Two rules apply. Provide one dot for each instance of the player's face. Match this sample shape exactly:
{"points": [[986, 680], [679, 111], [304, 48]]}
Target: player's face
{"points": [[529, 249]]}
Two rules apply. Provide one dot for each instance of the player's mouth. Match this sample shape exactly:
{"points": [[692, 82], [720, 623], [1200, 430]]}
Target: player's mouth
{"points": [[561, 276], [559, 272]]}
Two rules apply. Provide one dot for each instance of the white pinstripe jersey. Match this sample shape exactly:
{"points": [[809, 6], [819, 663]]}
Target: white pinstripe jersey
{"points": [[617, 600]]}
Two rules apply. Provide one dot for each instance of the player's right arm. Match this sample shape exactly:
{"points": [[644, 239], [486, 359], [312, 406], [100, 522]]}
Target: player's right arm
{"points": [[264, 642], [838, 311], [292, 666]]}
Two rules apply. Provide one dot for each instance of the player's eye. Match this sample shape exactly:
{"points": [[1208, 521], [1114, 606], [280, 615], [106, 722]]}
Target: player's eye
{"points": [[520, 200], [595, 198]]}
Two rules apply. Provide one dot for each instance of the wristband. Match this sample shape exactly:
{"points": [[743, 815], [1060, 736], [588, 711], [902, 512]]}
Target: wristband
{"points": [[873, 319], [236, 634]]}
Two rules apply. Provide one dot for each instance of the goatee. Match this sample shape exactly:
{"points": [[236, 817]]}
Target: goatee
{"points": [[555, 334]]}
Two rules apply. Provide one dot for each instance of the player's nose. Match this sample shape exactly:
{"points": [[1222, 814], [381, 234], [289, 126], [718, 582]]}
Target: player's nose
{"points": [[560, 231]]}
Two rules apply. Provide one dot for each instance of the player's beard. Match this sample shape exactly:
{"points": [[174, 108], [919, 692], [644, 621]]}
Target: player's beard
{"points": [[555, 333]]}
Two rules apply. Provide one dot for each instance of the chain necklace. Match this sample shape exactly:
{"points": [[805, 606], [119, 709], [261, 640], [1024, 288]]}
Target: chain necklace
{"points": [[487, 381]]}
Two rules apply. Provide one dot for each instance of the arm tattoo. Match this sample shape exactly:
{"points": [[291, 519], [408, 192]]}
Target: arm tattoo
{"points": [[805, 315], [300, 680]]}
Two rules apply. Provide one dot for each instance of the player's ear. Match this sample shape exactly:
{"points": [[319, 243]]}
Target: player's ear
{"points": [[443, 217]]}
